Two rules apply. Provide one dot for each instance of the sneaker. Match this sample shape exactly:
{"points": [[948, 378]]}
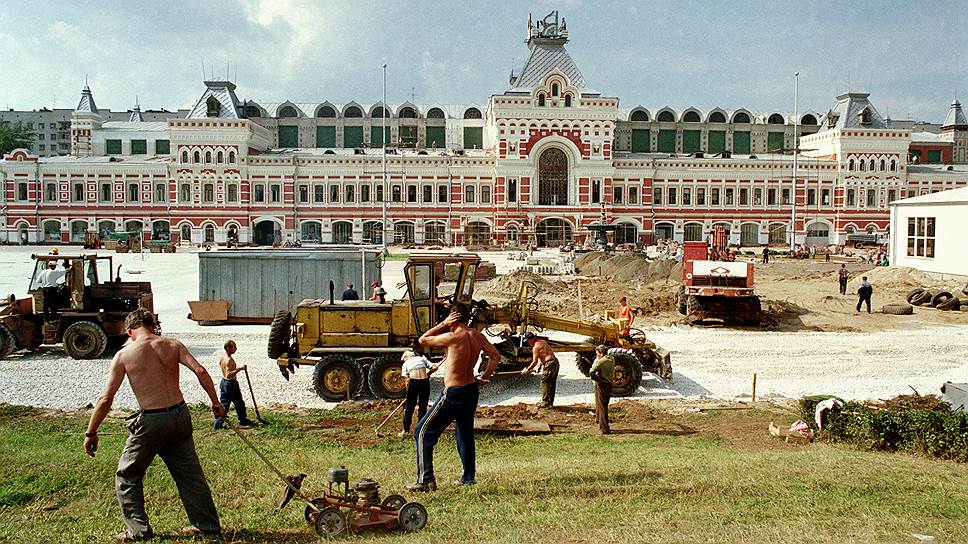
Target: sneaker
{"points": [[422, 488], [403, 434], [218, 424], [462, 482], [247, 423]]}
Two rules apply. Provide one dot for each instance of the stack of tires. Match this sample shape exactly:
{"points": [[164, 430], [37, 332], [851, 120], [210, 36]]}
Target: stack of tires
{"points": [[942, 300]]}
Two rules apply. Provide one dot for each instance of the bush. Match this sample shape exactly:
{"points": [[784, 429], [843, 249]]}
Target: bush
{"points": [[940, 433]]}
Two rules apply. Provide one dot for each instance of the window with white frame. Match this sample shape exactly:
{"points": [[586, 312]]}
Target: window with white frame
{"points": [[673, 196], [920, 239], [714, 196], [275, 193], [485, 194], [469, 194], [633, 195], [617, 195], [657, 195]]}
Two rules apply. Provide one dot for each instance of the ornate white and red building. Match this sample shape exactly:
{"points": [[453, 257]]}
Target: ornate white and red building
{"points": [[540, 161]]}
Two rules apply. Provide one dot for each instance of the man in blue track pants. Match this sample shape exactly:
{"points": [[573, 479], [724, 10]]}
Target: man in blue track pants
{"points": [[458, 401]]}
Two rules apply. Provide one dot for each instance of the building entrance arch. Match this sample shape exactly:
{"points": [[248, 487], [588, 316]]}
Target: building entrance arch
{"points": [[553, 232], [749, 234], [267, 232], [553, 177], [477, 233], [626, 233]]}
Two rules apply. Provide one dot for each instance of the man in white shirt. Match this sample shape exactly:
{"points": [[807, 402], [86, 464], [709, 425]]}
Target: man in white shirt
{"points": [[416, 370], [50, 279]]}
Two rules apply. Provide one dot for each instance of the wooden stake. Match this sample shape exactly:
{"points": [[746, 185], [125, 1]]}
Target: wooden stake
{"points": [[754, 387], [581, 311]]}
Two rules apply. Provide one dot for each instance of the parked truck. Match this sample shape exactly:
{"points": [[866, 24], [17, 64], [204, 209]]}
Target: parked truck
{"points": [[715, 285]]}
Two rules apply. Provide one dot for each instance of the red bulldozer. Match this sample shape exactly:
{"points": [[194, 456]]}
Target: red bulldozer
{"points": [[715, 285]]}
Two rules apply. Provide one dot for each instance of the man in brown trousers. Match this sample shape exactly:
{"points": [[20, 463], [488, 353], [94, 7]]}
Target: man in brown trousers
{"points": [[543, 358], [602, 373]]}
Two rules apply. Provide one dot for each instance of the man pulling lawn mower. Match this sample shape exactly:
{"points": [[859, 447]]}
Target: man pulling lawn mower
{"points": [[162, 427]]}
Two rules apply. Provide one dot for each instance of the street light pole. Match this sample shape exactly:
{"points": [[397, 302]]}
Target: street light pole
{"points": [[796, 152], [383, 137]]}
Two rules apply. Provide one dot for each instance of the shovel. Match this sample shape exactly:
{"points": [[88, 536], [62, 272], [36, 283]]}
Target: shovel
{"points": [[258, 417], [377, 430]]}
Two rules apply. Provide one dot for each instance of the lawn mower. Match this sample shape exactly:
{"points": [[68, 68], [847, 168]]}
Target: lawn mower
{"points": [[344, 508]]}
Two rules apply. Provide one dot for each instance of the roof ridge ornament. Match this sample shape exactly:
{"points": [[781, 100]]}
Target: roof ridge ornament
{"points": [[548, 29]]}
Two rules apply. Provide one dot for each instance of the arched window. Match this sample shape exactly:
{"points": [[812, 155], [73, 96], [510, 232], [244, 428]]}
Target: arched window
{"points": [[863, 165], [472, 113], [554, 89], [872, 165], [883, 165], [198, 157], [408, 113], [253, 112], [541, 100], [553, 177], [717, 117], [288, 111], [639, 115], [691, 117], [353, 111], [326, 111], [775, 119], [567, 100], [435, 113], [231, 157], [741, 118], [378, 112], [850, 165], [667, 117], [185, 156], [893, 165], [208, 157], [808, 119], [219, 157]]}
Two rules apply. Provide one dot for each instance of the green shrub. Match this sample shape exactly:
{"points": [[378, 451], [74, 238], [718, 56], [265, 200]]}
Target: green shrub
{"points": [[942, 434]]}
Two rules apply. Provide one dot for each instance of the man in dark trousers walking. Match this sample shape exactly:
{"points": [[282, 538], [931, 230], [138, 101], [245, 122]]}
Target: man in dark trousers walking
{"points": [[766, 254], [843, 275], [864, 293], [602, 373], [229, 391]]}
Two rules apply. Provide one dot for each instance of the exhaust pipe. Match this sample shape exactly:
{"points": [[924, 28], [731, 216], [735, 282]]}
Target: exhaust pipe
{"points": [[332, 293]]}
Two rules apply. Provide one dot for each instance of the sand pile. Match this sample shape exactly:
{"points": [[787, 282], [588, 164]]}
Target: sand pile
{"points": [[628, 267], [896, 277], [505, 287]]}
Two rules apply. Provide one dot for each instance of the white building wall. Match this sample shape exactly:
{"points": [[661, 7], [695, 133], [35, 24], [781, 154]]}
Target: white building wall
{"points": [[951, 224]]}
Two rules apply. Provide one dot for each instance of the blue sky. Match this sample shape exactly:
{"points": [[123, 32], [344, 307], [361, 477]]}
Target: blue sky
{"points": [[729, 54]]}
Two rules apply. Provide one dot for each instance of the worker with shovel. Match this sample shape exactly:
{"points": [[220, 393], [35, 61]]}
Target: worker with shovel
{"points": [[543, 358], [162, 427], [229, 391], [416, 370]]}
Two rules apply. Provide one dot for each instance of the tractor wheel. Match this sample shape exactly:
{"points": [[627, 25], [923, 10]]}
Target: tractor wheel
{"points": [[922, 298], [952, 304], [681, 300], [337, 377], [628, 375], [85, 340], [385, 379], [412, 517], [115, 343], [584, 362], [8, 343], [330, 522], [753, 312], [693, 305], [914, 294], [940, 298], [898, 309], [279, 334]]}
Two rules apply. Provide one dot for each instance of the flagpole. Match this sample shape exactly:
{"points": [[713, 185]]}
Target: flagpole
{"points": [[796, 152], [383, 137]]}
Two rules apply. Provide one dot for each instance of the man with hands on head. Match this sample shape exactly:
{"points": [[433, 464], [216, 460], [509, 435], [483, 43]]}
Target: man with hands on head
{"points": [[162, 427]]}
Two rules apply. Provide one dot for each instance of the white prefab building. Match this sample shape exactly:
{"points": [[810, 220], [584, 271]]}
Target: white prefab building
{"points": [[928, 232]]}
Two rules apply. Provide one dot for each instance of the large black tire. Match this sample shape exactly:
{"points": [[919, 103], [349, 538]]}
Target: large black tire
{"points": [[8, 343], [115, 343], [85, 340], [628, 375], [681, 300], [754, 313], [923, 298], [584, 362], [384, 378], [953, 304], [335, 375], [692, 305], [940, 298], [913, 294], [898, 309], [279, 334]]}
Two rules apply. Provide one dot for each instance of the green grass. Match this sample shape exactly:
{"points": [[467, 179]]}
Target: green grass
{"points": [[563, 488], [397, 256]]}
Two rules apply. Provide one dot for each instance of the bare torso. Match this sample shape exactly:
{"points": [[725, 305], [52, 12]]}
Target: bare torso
{"points": [[229, 368], [151, 366], [543, 350], [464, 347]]}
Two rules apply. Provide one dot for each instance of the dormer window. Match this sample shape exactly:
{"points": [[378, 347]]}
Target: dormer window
{"points": [[214, 107], [567, 100], [554, 89], [541, 100], [865, 116]]}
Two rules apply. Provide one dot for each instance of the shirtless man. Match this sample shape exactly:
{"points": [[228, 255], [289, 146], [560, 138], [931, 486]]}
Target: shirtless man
{"points": [[627, 313], [162, 427], [543, 358], [458, 401], [229, 391]]}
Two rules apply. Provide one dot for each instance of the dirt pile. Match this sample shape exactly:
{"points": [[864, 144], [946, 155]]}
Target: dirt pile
{"points": [[897, 277], [628, 267], [505, 286]]}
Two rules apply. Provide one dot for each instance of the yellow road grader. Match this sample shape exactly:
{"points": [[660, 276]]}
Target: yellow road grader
{"points": [[353, 344]]}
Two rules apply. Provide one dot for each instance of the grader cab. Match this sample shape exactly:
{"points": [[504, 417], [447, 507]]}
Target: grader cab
{"points": [[352, 344]]}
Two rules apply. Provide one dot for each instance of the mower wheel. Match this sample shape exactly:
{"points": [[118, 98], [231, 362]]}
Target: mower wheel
{"points": [[393, 502], [279, 334], [898, 309], [628, 375], [940, 298], [85, 340], [330, 522], [385, 378], [337, 377], [412, 517], [8, 343], [310, 514]]}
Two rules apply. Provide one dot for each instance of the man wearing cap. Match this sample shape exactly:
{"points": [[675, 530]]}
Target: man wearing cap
{"points": [[543, 358], [379, 293], [602, 373]]}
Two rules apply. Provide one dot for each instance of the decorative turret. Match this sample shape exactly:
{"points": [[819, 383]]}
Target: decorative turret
{"points": [[84, 121], [955, 119], [136, 114], [217, 102], [955, 130]]}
